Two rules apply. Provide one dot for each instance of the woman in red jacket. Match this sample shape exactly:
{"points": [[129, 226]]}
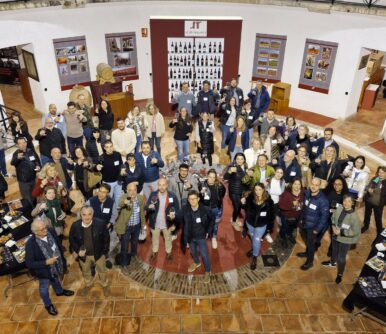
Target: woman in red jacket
{"points": [[290, 205], [48, 177]]}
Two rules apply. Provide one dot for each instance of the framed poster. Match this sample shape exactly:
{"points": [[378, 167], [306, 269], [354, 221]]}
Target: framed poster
{"points": [[317, 66], [9, 66], [122, 55], [30, 65], [72, 61], [269, 57]]}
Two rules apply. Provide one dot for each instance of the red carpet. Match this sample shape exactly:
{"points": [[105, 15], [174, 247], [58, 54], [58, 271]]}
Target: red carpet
{"points": [[379, 146], [230, 254]]}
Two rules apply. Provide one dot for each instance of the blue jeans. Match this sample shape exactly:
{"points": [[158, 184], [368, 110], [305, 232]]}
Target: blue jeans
{"points": [[200, 245], [182, 149], [131, 235], [217, 214], [155, 140], [44, 159], [138, 145], [3, 165], [250, 133], [256, 234], [44, 285], [225, 132], [115, 192], [87, 132], [237, 149], [72, 143]]}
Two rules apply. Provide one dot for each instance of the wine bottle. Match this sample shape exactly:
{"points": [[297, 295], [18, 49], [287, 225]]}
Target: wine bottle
{"points": [[172, 86], [170, 61], [172, 47], [219, 61], [206, 61], [171, 74], [218, 85], [190, 73], [175, 48], [202, 60], [214, 47], [189, 63], [199, 47], [214, 85], [179, 73], [210, 47], [210, 74], [204, 48], [211, 61], [180, 48], [219, 48], [185, 61], [171, 96], [185, 48], [219, 74], [189, 48], [198, 61]]}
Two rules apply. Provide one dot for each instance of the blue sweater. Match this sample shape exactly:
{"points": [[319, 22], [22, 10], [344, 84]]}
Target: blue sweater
{"points": [[316, 211], [293, 170], [150, 171]]}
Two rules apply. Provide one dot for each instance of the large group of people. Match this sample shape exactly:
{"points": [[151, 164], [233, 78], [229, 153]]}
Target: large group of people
{"points": [[278, 177]]}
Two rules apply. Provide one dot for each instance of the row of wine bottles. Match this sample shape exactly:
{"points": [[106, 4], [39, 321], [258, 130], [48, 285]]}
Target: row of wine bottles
{"points": [[196, 87], [200, 48], [200, 60], [199, 74]]}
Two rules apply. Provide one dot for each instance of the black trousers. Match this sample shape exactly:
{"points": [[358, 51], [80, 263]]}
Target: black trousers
{"points": [[310, 238], [235, 199], [339, 253], [378, 212]]}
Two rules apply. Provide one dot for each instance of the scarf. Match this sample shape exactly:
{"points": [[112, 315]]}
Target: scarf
{"points": [[51, 249], [343, 215], [54, 210]]}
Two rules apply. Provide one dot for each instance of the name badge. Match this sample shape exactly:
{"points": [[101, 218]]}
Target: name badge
{"points": [[305, 168], [345, 226], [228, 112], [32, 158], [263, 214], [138, 210], [297, 145], [337, 205], [53, 247], [116, 163], [198, 220], [205, 99], [206, 197], [250, 117], [274, 141], [188, 101], [171, 200], [106, 210], [307, 201], [207, 130], [240, 97], [240, 133], [292, 173], [314, 149], [313, 206]]}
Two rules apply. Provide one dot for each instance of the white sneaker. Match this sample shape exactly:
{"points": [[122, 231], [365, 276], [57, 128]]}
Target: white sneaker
{"points": [[239, 222], [174, 237], [236, 226], [214, 243], [269, 238]]}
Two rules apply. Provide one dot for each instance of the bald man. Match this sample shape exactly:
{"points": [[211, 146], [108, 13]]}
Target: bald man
{"points": [[45, 260], [58, 119], [130, 221], [162, 206], [290, 166]]}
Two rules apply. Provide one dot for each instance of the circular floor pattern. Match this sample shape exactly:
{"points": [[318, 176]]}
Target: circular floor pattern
{"points": [[221, 283]]}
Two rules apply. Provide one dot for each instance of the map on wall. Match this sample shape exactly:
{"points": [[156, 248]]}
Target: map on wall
{"points": [[122, 55], [317, 65], [72, 61], [269, 57]]}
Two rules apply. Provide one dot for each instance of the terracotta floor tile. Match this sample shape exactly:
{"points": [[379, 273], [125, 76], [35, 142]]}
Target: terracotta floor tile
{"points": [[69, 326], [65, 310], [40, 313], [48, 327], [277, 306], [248, 292], [117, 292], [182, 305], [353, 325], [103, 308], [110, 326], [240, 305], [123, 307], [316, 306], [372, 326], [311, 323], [9, 328], [27, 327], [259, 306], [191, 323], [89, 326], [250, 322], [221, 305], [291, 323], [83, 310], [271, 323], [334, 306], [230, 323], [171, 324], [131, 325], [211, 323], [162, 306], [330, 322], [6, 313], [151, 324], [264, 290], [296, 306], [202, 305], [135, 293], [142, 307]]}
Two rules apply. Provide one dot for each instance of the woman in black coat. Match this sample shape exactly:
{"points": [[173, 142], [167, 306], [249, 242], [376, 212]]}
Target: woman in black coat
{"points": [[234, 173], [106, 120], [260, 212], [183, 128], [19, 128], [94, 146], [204, 137], [132, 173]]}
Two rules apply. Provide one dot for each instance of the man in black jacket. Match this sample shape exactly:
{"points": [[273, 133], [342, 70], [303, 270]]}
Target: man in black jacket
{"points": [[27, 163], [45, 260], [89, 240], [50, 137], [61, 166], [197, 220]]}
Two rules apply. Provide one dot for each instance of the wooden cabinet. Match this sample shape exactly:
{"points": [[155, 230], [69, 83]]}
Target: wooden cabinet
{"points": [[121, 104], [280, 97]]}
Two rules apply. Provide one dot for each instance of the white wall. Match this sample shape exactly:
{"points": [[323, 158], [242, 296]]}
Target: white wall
{"points": [[351, 31]]}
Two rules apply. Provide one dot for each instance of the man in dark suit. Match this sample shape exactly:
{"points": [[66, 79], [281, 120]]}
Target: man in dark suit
{"points": [[45, 260], [90, 240]]}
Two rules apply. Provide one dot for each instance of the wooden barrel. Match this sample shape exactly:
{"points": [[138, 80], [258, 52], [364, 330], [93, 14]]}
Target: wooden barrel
{"points": [[105, 73], [80, 90]]}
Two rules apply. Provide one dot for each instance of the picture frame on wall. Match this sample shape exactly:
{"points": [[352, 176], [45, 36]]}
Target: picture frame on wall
{"points": [[30, 64]]}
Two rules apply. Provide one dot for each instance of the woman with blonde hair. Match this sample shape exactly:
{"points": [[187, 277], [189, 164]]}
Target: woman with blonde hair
{"points": [[49, 177], [156, 128], [273, 145], [304, 163], [238, 139], [136, 120]]}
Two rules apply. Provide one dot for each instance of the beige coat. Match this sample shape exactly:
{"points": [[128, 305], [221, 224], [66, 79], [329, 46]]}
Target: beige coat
{"points": [[160, 124]]}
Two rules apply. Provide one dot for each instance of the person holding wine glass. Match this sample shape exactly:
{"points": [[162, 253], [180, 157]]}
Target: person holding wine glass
{"points": [[183, 129], [161, 207]]}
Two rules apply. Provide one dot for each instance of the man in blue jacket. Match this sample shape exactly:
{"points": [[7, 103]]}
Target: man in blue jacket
{"points": [[45, 260], [290, 166], [259, 97], [162, 206], [314, 220], [150, 162], [321, 143]]}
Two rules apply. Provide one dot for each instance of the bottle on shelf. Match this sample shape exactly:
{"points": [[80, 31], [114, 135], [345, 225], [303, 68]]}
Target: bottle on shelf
{"points": [[171, 74], [190, 73], [189, 63], [199, 47], [185, 48], [219, 61], [180, 48], [172, 86], [204, 48], [211, 61], [174, 74], [206, 61], [210, 47], [175, 48], [214, 47], [171, 96], [211, 74], [219, 74], [202, 60], [189, 48], [185, 61], [179, 73], [172, 47], [170, 61], [219, 48], [218, 85]]}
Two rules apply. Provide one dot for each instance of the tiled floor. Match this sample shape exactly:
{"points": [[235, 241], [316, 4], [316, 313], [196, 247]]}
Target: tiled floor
{"points": [[288, 301]]}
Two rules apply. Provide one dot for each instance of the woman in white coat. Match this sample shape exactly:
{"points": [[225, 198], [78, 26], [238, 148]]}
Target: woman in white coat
{"points": [[156, 127], [357, 175]]}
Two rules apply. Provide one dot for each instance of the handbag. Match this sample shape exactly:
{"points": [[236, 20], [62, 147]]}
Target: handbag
{"points": [[93, 178]]}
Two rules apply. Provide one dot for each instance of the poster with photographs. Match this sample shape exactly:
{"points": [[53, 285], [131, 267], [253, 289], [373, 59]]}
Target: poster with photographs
{"points": [[9, 65], [122, 55], [194, 60], [72, 61], [269, 56], [318, 63]]}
